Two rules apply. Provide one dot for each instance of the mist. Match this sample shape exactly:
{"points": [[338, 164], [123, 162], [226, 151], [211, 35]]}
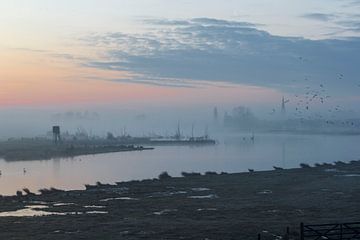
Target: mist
{"points": [[137, 121]]}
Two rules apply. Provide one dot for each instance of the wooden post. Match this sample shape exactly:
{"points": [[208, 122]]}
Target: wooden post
{"points": [[287, 236], [341, 231], [301, 231]]}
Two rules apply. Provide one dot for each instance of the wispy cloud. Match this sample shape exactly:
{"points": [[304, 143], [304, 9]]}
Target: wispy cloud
{"points": [[30, 50], [342, 22], [206, 49], [320, 16], [352, 3], [350, 25]]}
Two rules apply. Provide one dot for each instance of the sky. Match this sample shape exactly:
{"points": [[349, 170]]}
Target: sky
{"points": [[148, 54]]}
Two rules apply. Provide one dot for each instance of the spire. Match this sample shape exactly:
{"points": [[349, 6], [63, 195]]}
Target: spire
{"points": [[215, 114]]}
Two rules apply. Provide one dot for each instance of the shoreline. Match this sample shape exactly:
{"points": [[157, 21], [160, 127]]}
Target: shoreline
{"points": [[41, 149], [45, 150], [221, 206]]}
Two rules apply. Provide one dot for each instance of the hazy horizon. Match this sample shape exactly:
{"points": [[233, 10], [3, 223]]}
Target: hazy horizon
{"points": [[175, 61]]}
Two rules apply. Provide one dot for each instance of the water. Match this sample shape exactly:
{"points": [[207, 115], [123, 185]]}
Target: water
{"points": [[232, 154], [35, 211]]}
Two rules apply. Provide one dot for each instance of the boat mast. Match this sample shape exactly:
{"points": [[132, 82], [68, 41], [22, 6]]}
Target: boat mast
{"points": [[206, 132], [192, 131], [178, 132]]}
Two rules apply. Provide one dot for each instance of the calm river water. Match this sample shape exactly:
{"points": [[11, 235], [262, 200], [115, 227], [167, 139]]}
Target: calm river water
{"points": [[231, 154]]}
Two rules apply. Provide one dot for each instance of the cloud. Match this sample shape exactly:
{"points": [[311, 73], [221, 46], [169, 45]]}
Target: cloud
{"points": [[156, 81], [352, 3], [350, 25], [30, 50], [219, 22], [319, 16], [205, 49], [66, 56], [166, 22], [341, 22], [345, 21]]}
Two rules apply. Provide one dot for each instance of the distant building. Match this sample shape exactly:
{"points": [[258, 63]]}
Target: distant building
{"points": [[241, 118], [56, 134]]}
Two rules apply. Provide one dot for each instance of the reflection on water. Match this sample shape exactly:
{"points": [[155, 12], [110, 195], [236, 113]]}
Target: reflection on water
{"points": [[28, 211], [204, 197], [119, 198], [233, 154], [35, 211]]}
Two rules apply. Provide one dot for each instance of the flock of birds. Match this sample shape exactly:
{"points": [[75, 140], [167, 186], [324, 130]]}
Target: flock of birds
{"points": [[311, 97], [315, 95]]}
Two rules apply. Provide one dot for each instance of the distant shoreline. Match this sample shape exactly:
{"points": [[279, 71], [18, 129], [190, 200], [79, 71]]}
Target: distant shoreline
{"points": [[43, 149], [296, 132], [46, 150]]}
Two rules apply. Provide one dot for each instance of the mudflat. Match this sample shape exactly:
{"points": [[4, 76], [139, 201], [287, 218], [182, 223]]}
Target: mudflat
{"points": [[221, 206]]}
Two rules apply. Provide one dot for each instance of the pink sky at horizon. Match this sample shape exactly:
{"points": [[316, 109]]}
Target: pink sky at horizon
{"points": [[37, 79]]}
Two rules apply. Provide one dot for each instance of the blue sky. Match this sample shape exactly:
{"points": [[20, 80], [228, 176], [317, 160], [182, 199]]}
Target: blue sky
{"points": [[277, 16]]}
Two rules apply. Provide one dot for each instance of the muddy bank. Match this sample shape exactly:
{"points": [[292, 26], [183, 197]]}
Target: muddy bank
{"points": [[226, 206]]}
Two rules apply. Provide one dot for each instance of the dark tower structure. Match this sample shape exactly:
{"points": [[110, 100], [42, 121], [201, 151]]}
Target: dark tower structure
{"points": [[283, 105], [56, 134]]}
